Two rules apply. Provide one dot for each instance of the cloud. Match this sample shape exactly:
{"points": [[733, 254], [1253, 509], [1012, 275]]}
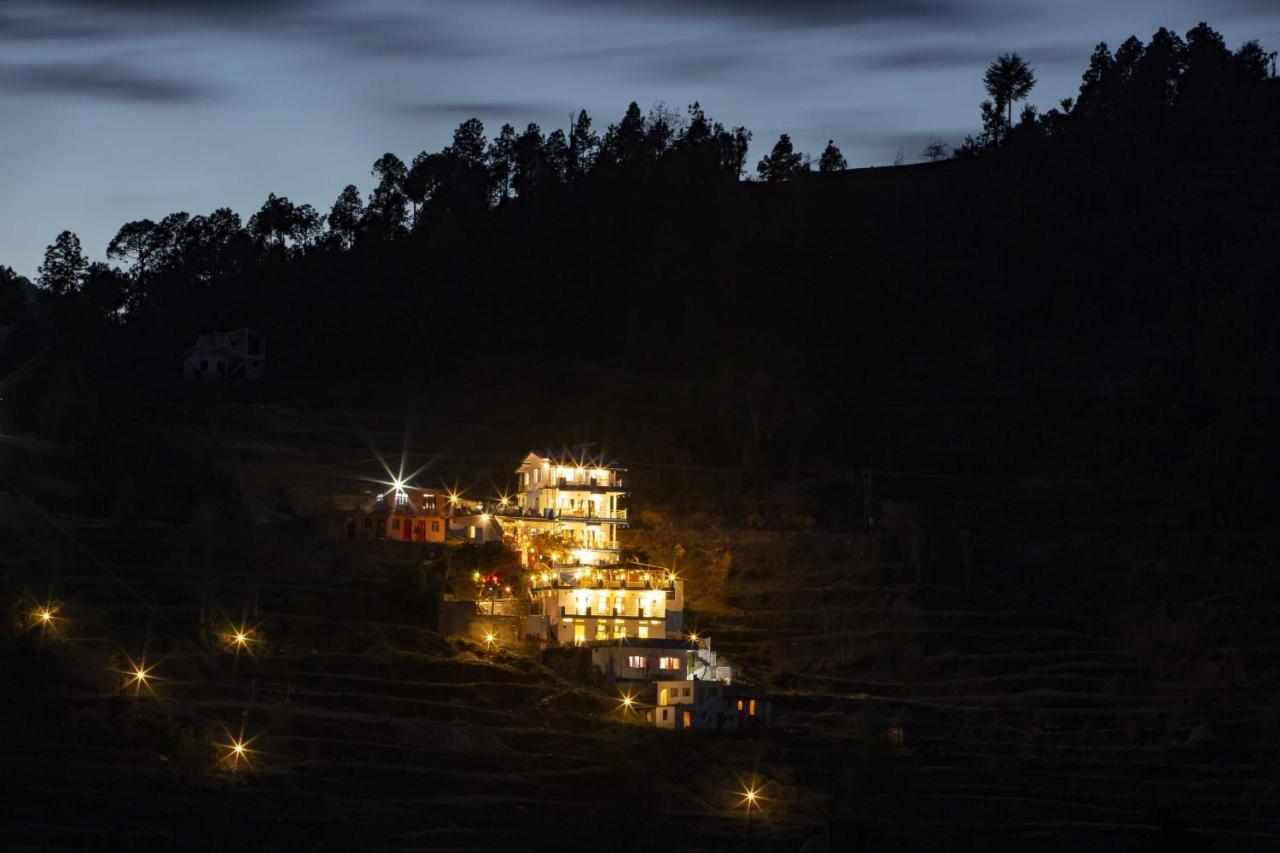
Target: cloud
{"points": [[946, 57], [816, 13], [513, 112], [19, 25], [369, 30], [100, 80]]}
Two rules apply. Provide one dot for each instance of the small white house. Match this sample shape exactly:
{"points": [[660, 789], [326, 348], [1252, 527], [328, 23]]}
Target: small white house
{"points": [[238, 354], [635, 659]]}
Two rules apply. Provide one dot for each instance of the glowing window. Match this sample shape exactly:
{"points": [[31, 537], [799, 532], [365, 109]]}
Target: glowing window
{"points": [[668, 663], [739, 704], [643, 631], [638, 662], [751, 706]]}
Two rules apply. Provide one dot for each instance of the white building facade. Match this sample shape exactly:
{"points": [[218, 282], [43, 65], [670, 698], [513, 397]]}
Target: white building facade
{"points": [[562, 495], [238, 354], [572, 606]]}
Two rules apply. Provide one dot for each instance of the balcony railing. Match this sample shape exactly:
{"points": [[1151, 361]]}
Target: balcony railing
{"points": [[552, 513], [590, 483]]}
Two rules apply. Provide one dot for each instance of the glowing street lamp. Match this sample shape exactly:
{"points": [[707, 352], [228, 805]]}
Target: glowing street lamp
{"points": [[236, 749], [239, 638], [44, 616], [750, 797], [139, 676]]}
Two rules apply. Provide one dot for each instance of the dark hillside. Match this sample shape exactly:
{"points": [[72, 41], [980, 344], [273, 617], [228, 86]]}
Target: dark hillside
{"points": [[971, 464]]}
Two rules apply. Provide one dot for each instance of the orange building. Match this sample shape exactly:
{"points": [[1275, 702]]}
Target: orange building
{"points": [[401, 515]]}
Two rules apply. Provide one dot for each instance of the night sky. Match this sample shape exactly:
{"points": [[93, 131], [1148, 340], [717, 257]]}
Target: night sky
{"points": [[112, 111]]}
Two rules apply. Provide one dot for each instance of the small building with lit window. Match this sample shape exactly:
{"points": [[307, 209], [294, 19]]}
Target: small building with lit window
{"points": [[573, 606], [635, 659], [402, 515], [714, 705], [557, 493]]}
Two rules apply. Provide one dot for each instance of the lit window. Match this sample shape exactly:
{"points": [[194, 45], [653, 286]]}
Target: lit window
{"points": [[739, 704], [638, 662], [643, 631], [668, 663], [751, 708]]}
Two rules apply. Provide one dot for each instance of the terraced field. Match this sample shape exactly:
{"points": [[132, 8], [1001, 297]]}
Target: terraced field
{"points": [[1069, 675], [1023, 724], [366, 733]]}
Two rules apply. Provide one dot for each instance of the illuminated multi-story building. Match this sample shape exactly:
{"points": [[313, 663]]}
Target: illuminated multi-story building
{"points": [[585, 604], [576, 499]]}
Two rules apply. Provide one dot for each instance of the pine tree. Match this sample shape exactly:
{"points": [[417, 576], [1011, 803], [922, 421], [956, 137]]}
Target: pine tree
{"points": [[832, 160], [782, 163], [62, 272]]}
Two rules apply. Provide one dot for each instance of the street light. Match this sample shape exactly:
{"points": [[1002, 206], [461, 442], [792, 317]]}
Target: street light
{"points": [[237, 750], [750, 797], [138, 676]]}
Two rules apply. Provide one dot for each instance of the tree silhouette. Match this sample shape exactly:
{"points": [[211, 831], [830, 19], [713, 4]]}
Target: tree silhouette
{"points": [[469, 144], [138, 240], [530, 173], [345, 216], [832, 160], [63, 269], [1009, 78], [280, 223], [935, 150], [106, 289], [385, 210], [13, 297], [782, 163], [419, 182], [501, 161], [583, 145], [624, 142]]}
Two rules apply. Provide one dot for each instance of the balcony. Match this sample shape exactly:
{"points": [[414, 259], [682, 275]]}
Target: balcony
{"points": [[594, 484], [603, 579], [551, 514]]}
